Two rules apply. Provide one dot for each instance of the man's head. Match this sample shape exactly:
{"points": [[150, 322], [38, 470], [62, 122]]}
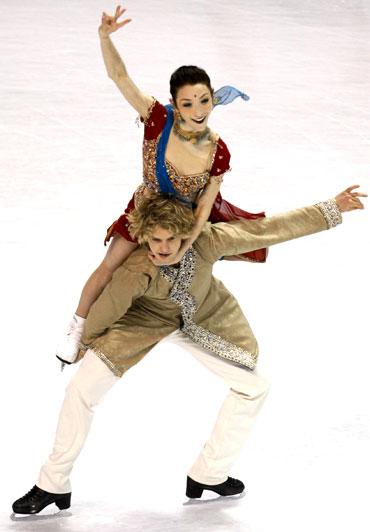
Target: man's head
{"points": [[162, 224]]}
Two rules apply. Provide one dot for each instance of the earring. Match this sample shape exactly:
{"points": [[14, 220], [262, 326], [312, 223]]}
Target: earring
{"points": [[177, 116]]}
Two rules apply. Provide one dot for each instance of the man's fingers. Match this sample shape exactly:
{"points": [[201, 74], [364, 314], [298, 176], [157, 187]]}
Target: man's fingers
{"points": [[349, 189]]}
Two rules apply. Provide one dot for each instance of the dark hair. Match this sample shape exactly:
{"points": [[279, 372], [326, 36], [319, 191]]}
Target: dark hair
{"points": [[188, 75]]}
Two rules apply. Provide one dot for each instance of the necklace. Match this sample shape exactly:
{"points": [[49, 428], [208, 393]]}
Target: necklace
{"points": [[191, 136]]}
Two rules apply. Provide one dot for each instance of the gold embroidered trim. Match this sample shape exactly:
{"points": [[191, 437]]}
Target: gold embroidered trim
{"points": [[149, 113]]}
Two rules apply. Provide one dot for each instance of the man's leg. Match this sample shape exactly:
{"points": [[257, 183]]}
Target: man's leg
{"points": [[247, 393], [91, 382]]}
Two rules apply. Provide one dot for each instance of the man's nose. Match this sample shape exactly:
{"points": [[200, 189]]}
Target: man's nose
{"points": [[164, 248]]}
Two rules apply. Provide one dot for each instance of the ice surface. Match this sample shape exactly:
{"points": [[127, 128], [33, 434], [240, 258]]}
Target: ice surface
{"points": [[70, 160]]}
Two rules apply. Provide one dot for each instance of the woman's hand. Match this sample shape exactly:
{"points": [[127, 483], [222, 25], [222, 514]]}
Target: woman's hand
{"points": [[349, 200], [110, 24]]}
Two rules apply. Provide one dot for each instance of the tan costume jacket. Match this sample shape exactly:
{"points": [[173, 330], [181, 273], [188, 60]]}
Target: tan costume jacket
{"points": [[144, 303]]}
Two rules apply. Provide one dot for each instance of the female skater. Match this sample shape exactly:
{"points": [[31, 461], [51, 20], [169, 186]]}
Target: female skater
{"points": [[182, 157]]}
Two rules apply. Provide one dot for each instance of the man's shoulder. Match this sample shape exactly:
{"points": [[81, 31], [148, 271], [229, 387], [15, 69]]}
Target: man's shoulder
{"points": [[204, 236], [204, 244], [139, 262]]}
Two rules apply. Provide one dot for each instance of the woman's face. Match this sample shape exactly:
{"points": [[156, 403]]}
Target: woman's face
{"points": [[195, 104]]}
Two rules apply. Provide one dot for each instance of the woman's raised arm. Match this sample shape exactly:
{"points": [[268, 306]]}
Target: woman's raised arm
{"points": [[116, 68]]}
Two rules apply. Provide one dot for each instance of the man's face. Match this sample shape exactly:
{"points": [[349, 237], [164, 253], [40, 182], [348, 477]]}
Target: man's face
{"points": [[164, 245]]}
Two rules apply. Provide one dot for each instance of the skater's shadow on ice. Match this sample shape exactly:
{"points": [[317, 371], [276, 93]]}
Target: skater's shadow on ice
{"points": [[210, 515]]}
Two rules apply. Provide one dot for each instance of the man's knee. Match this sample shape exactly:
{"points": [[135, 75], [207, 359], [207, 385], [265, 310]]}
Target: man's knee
{"points": [[252, 386]]}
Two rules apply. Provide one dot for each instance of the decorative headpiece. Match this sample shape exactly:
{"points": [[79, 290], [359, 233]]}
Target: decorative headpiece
{"points": [[227, 94]]}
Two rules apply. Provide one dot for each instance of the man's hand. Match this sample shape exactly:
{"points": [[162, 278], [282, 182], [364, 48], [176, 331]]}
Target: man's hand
{"points": [[349, 200], [110, 24]]}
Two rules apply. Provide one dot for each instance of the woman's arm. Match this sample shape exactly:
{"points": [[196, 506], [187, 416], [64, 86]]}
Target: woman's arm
{"points": [[116, 68], [204, 207]]}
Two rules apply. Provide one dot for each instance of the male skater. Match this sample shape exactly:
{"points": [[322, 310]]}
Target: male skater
{"points": [[147, 301]]}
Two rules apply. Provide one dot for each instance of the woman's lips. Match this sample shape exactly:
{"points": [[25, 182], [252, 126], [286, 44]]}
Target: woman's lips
{"points": [[200, 121]]}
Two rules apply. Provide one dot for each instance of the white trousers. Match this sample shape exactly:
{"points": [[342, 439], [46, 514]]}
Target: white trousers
{"points": [[92, 381]]}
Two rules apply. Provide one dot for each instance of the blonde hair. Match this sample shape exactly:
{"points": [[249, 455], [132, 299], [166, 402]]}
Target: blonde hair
{"points": [[155, 210]]}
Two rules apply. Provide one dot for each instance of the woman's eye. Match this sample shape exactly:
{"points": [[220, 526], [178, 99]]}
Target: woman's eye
{"points": [[206, 100], [186, 105]]}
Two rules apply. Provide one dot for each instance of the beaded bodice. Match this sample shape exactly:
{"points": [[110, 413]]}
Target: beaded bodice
{"points": [[187, 186]]}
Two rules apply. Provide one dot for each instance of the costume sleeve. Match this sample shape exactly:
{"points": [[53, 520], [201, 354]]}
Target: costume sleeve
{"points": [[126, 286], [154, 121], [221, 160], [234, 238]]}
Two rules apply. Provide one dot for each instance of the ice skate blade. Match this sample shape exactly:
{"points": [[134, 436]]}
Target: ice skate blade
{"points": [[40, 516], [215, 500]]}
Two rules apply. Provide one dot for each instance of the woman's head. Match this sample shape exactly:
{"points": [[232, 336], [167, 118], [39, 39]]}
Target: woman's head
{"points": [[188, 75], [192, 96]]}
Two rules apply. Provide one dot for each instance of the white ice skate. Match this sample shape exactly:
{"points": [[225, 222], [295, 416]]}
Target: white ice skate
{"points": [[68, 346]]}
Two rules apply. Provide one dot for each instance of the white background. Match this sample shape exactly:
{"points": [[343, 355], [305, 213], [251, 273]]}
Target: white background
{"points": [[70, 160]]}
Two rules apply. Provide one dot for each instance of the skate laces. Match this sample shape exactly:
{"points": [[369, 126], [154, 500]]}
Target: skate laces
{"points": [[32, 494]]}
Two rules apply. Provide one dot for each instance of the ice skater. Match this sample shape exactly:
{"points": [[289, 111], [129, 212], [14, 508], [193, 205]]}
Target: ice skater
{"points": [[148, 300], [182, 157]]}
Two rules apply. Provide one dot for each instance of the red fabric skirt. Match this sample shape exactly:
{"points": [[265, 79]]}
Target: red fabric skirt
{"points": [[222, 211]]}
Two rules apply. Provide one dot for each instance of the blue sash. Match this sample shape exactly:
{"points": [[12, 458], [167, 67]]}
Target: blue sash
{"points": [[163, 179]]}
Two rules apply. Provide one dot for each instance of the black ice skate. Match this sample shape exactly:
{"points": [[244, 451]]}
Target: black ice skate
{"points": [[37, 499], [231, 486]]}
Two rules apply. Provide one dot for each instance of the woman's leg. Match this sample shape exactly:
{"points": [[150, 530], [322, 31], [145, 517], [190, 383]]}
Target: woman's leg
{"points": [[91, 382], [118, 251]]}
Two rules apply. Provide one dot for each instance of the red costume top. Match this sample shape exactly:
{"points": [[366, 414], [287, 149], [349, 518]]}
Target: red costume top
{"points": [[188, 186]]}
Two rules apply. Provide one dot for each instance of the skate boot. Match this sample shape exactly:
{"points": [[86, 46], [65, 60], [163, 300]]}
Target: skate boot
{"points": [[37, 499], [231, 486], [68, 347]]}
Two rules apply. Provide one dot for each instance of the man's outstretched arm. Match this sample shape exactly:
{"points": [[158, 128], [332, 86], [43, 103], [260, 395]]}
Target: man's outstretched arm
{"points": [[234, 238]]}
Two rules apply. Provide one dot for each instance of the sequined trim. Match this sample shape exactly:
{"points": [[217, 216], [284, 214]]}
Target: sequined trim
{"points": [[187, 186], [331, 212], [214, 153], [149, 112], [219, 346], [182, 278]]}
